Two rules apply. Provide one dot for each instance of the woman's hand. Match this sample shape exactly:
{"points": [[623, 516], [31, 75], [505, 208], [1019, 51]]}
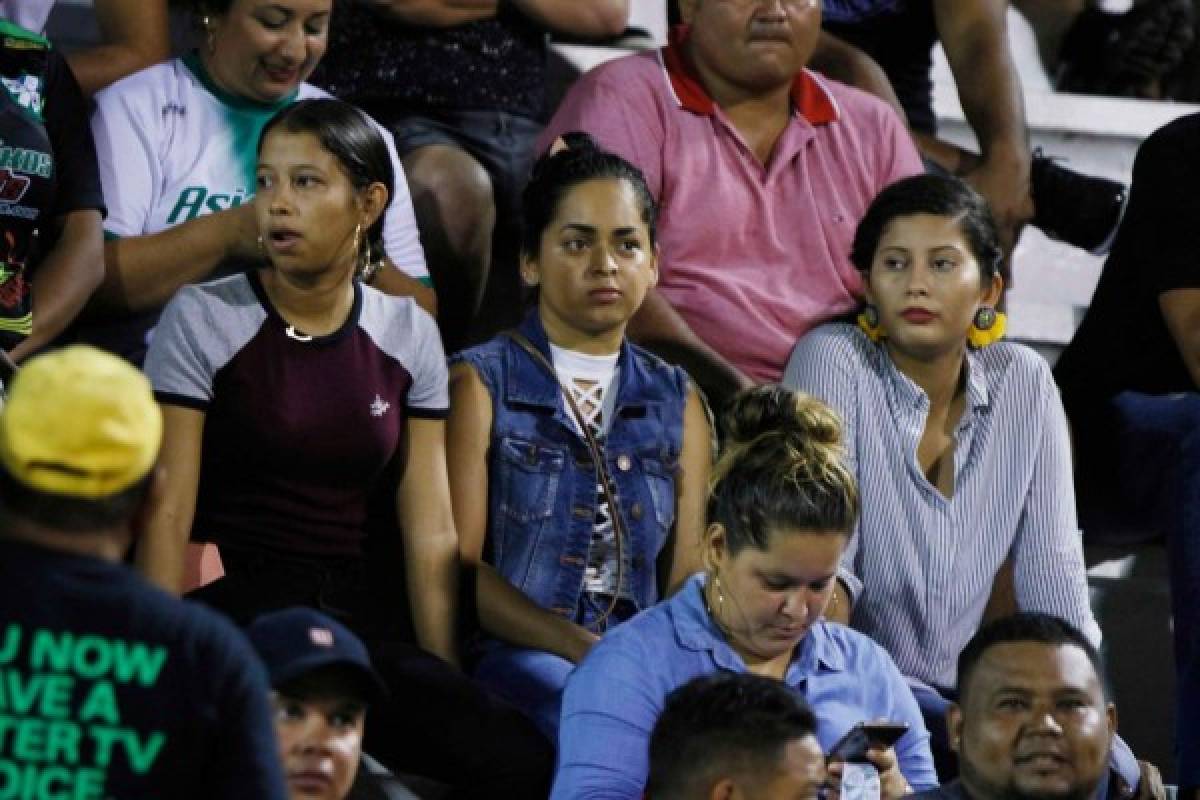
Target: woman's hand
{"points": [[892, 784], [242, 233]]}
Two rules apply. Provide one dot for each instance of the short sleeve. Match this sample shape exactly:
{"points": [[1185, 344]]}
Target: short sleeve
{"points": [[621, 115], [897, 155], [66, 117], [126, 140], [401, 237], [429, 396], [178, 365]]}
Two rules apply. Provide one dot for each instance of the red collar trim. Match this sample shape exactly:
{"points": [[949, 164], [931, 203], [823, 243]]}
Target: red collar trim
{"points": [[809, 95]]}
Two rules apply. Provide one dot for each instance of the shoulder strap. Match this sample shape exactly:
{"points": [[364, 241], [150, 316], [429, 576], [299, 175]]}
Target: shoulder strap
{"points": [[602, 475]]}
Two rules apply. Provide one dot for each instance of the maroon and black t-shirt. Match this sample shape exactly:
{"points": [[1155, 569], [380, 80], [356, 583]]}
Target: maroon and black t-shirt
{"points": [[298, 428]]}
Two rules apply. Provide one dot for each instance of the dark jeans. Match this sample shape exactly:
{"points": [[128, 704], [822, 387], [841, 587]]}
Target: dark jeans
{"points": [[437, 723], [1140, 461], [503, 144], [901, 41]]}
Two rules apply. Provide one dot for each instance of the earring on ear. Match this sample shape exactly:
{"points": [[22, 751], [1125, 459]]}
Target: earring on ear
{"points": [[206, 23], [987, 327], [868, 321], [262, 246]]}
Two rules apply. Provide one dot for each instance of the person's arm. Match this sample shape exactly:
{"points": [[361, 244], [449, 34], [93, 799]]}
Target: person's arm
{"points": [[659, 327], [160, 552], [391, 280], [595, 19], [974, 36], [435, 13], [1181, 312], [504, 610], [844, 62], [143, 272], [430, 544], [134, 34], [609, 707], [682, 556], [65, 279], [1048, 567]]}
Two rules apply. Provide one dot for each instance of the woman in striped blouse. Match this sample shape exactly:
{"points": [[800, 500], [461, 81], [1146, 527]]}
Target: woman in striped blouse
{"points": [[959, 443]]}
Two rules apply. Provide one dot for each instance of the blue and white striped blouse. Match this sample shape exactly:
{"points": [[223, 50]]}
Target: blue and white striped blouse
{"points": [[921, 566]]}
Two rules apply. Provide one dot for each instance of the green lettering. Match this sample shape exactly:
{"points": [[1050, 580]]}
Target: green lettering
{"points": [[56, 696], [93, 657], [7, 156], [104, 738], [62, 742], [10, 643], [18, 693], [51, 651], [217, 202], [188, 206], [139, 662], [142, 755], [100, 703], [29, 744]]}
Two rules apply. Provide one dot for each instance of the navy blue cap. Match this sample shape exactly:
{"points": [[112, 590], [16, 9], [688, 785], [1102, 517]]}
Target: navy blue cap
{"points": [[296, 641]]}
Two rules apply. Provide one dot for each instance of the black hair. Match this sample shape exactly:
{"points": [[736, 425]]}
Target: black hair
{"points": [[348, 135], [555, 174], [1026, 626], [783, 467], [198, 8], [720, 724], [68, 513], [942, 196]]}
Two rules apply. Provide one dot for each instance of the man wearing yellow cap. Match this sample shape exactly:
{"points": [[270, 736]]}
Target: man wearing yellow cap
{"points": [[108, 687]]}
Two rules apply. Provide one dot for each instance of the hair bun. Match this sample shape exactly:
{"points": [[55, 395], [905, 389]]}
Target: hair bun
{"points": [[775, 409]]}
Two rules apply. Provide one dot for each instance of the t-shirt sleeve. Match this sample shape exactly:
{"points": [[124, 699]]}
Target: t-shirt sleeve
{"points": [[246, 763], [401, 237], [429, 396], [127, 151], [178, 364], [620, 115], [896, 153], [66, 116]]}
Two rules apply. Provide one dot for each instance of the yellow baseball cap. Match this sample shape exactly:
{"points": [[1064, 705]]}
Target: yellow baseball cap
{"points": [[79, 422]]}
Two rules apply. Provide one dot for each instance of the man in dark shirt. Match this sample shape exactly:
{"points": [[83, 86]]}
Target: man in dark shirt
{"points": [[108, 686], [1130, 383], [1033, 719]]}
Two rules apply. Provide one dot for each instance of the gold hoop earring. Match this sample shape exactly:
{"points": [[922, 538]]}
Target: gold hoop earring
{"points": [[206, 23]]}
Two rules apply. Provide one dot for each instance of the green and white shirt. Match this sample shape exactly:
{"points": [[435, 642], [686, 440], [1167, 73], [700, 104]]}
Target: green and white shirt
{"points": [[173, 146]]}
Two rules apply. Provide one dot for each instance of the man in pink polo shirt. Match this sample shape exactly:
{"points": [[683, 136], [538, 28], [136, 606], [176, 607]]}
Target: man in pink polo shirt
{"points": [[761, 169]]}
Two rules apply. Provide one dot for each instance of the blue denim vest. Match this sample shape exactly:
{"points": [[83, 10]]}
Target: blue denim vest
{"points": [[541, 482]]}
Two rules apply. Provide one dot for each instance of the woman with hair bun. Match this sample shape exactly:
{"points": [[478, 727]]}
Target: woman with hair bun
{"points": [[591, 453], [780, 511]]}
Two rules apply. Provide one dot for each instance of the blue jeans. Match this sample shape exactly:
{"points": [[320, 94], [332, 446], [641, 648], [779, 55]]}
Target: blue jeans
{"points": [[533, 680], [933, 704]]}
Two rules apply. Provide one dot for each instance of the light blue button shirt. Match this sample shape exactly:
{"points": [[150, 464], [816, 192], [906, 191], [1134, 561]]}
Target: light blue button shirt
{"points": [[614, 697]]}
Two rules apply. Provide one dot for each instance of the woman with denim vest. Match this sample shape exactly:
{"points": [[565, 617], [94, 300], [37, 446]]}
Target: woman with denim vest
{"points": [[578, 462]]}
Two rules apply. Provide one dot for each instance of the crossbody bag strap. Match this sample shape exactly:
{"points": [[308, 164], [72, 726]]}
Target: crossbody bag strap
{"points": [[602, 475]]}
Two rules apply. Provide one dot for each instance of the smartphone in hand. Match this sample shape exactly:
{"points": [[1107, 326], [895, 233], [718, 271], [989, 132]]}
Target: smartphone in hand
{"points": [[854, 745]]}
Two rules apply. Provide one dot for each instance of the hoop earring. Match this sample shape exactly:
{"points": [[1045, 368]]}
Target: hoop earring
{"points": [[987, 327], [868, 321], [206, 23]]}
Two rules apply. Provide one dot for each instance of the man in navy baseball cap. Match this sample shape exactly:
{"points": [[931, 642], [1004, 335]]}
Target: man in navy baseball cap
{"points": [[323, 683]]}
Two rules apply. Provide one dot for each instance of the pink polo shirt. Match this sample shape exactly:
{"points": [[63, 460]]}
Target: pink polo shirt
{"points": [[753, 256]]}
